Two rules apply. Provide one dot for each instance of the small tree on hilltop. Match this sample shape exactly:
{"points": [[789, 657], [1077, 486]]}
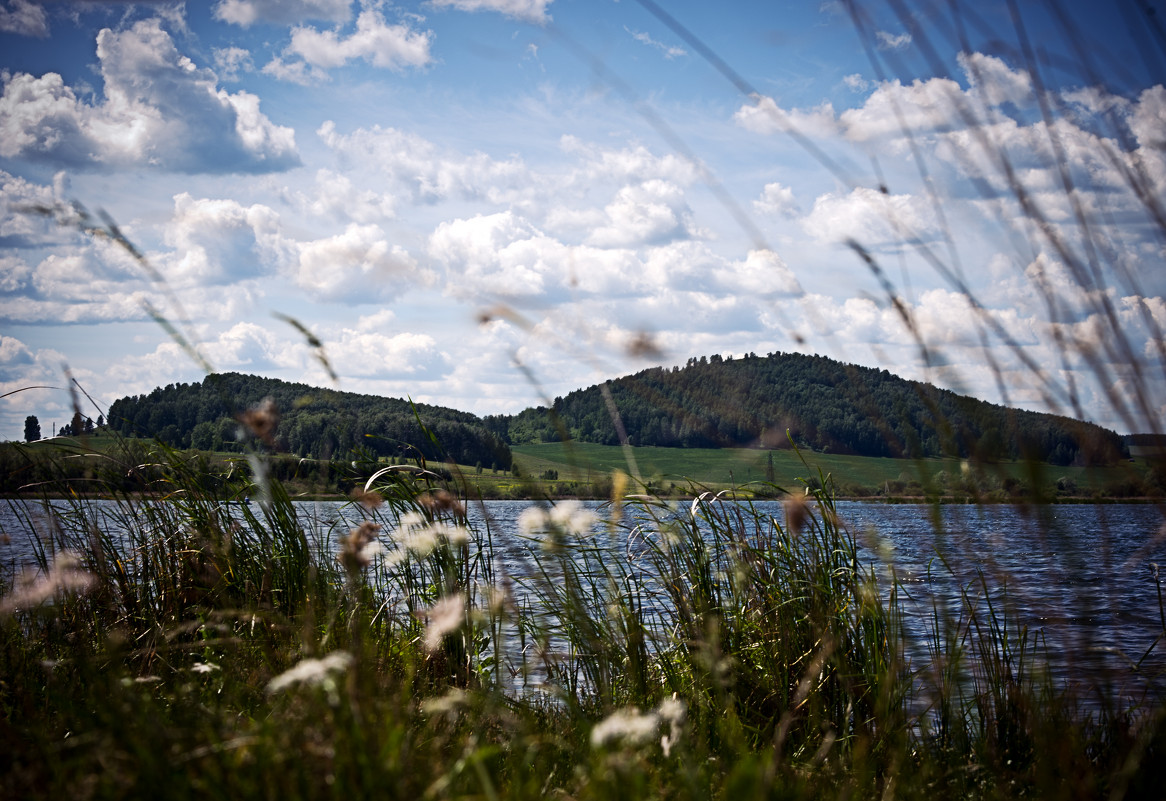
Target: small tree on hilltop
{"points": [[31, 428]]}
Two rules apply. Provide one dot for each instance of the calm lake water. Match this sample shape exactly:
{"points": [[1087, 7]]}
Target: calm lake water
{"points": [[1081, 576]]}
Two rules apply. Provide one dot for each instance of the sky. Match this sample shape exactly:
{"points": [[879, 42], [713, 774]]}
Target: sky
{"points": [[484, 204]]}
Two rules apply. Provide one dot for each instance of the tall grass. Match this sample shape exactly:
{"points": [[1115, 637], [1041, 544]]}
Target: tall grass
{"points": [[174, 639]]}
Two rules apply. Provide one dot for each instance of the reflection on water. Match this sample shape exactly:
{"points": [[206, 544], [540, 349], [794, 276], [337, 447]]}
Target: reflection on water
{"points": [[1081, 576]]}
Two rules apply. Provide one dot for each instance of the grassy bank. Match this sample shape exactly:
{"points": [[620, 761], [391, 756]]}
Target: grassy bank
{"points": [[675, 470], [550, 470], [734, 655]]}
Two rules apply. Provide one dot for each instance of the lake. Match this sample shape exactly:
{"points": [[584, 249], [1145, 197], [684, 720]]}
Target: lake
{"points": [[1082, 576]]}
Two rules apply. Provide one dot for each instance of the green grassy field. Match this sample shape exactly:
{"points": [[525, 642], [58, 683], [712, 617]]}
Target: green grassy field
{"points": [[854, 475], [583, 469]]}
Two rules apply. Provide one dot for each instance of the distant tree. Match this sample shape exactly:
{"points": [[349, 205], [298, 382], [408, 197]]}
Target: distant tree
{"points": [[77, 426], [100, 421], [31, 428]]}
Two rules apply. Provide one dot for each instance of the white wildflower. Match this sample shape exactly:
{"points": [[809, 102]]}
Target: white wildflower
{"points": [[628, 726], [532, 521], [416, 535], [446, 704], [671, 711], [572, 518], [446, 616], [203, 667], [65, 575], [455, 535], [311, 671]]}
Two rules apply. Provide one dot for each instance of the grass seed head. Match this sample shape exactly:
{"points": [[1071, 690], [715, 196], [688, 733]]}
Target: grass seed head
{"points": [[65, 575]]}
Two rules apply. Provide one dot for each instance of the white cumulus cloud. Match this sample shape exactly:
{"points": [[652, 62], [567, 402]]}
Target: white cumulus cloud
{"points": [[24, 18], [497, 254], [651, 213], [282, 12], [528, 10], [160, 110], [422, 170], [358, 265], [874, 220], [312, 53]]}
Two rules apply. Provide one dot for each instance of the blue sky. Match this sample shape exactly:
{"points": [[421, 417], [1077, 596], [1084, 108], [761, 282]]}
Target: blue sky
{"points": [[458, 195]]}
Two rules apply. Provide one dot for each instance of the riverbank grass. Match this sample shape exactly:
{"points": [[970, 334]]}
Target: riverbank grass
{"points": [[183, 644]]}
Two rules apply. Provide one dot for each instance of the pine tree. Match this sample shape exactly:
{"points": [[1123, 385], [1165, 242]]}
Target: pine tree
{"points": [[31, 428]]}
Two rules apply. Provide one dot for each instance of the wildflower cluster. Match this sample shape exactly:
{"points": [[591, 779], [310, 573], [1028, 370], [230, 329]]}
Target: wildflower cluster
{"points": [[565, 519], [631, 727], [417, 537], [65, 575], [312, 672]]}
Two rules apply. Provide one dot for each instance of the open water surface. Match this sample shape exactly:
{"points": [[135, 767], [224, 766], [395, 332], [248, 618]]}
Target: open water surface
{"points": [[1080, 577]]}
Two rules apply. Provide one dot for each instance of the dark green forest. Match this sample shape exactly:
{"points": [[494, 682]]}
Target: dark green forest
{"points": [[307, 421], [825, 405]]}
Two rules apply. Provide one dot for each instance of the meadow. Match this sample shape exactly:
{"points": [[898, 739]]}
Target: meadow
{"points": [[748, 470]]}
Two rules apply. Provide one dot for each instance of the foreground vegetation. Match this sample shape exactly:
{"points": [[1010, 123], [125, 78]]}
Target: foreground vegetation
{"points": [[214, 648]]}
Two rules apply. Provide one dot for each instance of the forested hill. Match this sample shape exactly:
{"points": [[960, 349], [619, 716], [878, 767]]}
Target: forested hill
{"points": [[826, 405], [314, 422]]}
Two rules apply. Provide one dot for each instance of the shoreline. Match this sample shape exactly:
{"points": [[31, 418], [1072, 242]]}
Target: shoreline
{"points": [[895, 500]]}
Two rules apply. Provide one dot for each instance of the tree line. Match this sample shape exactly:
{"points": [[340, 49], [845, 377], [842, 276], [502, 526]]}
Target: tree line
{"points": [[306, 421], [823, 404], [712, 402]]}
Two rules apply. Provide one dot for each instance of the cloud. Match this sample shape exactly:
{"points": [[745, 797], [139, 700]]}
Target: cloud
{"points": [[890, 41], [426, 174], [24, 18], [335, 196], [874, 220], [249, 347], [856, 83], [19, 226], [378, 355], [230, 61], [14, 355], [651, 213], [670, 51], [497, 254], [281, 12], [23, 367], [14, 274], [635, 163], [776, 200], [995, 82], [358, 266], [311, 52], [220, 241], [527, 10], [763, 273], [160, 111], [922, 106], [765, 116]]}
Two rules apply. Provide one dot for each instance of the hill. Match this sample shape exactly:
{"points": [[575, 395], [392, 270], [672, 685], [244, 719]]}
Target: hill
{"points": [[825, 405], [313, 422]]}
